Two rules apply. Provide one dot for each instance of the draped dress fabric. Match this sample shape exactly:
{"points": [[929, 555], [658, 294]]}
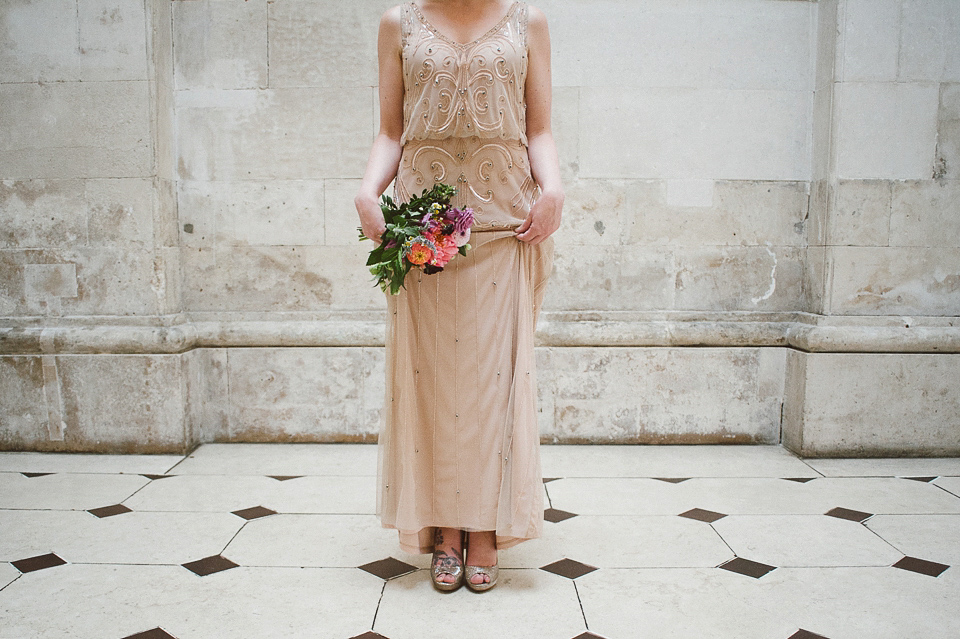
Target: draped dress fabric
{"points": [[459, 442]]}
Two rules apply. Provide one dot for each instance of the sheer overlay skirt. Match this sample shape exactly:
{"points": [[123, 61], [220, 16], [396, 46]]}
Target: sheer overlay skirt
{"points": [[459, 442]]}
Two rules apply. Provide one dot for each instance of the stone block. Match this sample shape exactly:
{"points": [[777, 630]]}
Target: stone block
{"points": [[699, 133], [948, 133], [861, 216], [121, 403], [120, 212], [739, 278], [165, 220], [23, 419], [814, 281], [42, 213], [665, 395], [247, 134], [827, 35], [206, 394], [682, 44], [925, 213], [887, 130], [611, 278], [267, 278], [252, 212], [324, 44], [930, 30], [44, 281], [38, 41], [870, 35], [894, 281], [565, 112], [109, 281], [819, 210], [873, 405], [75, 129], [297, 394], [599, 212], [742, 214], [373, 384], [113, 40], [221, 44]]}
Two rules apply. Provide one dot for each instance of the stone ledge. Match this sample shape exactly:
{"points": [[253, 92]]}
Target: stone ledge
{"points": [[803, 332]]}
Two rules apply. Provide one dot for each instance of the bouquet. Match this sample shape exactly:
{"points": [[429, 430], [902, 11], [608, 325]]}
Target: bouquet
{"points": [[426, 232]]}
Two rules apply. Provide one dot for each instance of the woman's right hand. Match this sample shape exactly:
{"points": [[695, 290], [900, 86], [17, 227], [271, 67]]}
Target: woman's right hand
{"points": [[371, 217]]}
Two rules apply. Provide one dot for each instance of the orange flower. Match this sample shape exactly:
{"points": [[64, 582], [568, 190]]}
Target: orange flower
{"points": [[420, 251]]}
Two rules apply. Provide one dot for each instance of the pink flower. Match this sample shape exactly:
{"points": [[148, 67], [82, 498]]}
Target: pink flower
{"points": [[462, 237]]}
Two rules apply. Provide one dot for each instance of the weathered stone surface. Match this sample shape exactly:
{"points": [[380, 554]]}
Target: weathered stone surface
{"points": [[929, 41], [121, 403], [565, 111], [861, 216], [340, 220], [873, 405], [38, 41], [219, 43], [668, 45], [324, 44], [23, 419], [41, 213], [113, 40], [814, 279], [75, 129], [894, 281], [297, 133], [665, 395], [887, 130], [297, 394], [740, 135], [871, 27], [206, 393], [948, 133], [251, 213], [925, 214]]}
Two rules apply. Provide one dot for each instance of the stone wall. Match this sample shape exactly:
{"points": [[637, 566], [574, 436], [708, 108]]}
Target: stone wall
{"points": [[760, 241]]}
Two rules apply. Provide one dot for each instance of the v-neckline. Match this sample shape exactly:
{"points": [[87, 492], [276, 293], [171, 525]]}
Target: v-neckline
{"points": [[443, 37]]}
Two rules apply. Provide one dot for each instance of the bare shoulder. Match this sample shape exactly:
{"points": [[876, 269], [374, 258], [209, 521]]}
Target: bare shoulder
{"points": [[391, 18], [536, 18]]}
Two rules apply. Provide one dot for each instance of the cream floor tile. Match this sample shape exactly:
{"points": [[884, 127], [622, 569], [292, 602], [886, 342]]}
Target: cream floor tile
{"points": [[215, 493], [951, 484], [28, 533], [930, 537], [524, 604], [804, 540], [86, 463], [337, 541], [622, 542], [619, 496], [671, 461], [280, 459], [253, 603], [892, 467], [67, 490], [329, 494], [681, 603], [7, 575], [751, 495], [865, 603], [886, 495]]}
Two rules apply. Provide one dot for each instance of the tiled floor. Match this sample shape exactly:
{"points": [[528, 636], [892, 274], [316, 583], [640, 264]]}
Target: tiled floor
{"points": [[259, 540]]}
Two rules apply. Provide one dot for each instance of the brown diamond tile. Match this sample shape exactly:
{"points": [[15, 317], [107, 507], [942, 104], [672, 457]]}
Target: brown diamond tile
{"points": [[556, 515], [110, 511], [547, 480], [156, 633], [805, 634], [284, 477], [35, 474], [672, 480], [37, 563], [799, 480], [388, 568], [209, 565], [369, 635], [746, 567], [568, 568], [922, 566], [926, 480], [254, 513], [700, 514], [149, 476], [846, 513]]}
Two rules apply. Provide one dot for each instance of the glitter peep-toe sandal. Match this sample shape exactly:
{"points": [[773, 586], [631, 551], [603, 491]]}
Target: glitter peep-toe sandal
{"points": [[449, 564], [470, 571]]}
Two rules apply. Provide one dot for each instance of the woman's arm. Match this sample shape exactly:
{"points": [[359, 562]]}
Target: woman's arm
{"points": [[385, 153], [544, 216]]}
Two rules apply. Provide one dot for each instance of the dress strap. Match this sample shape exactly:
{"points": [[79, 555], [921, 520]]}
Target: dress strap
{"points": [[522, 17], [407, 16]]}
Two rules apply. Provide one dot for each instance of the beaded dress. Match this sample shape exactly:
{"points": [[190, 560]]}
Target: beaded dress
{"points": [[459, 443]]}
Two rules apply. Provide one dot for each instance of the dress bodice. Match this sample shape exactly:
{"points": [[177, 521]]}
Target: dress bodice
{"points": [[457, 90]]}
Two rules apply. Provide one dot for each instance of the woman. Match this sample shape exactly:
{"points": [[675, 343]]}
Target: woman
{"points": [[465, 96]]}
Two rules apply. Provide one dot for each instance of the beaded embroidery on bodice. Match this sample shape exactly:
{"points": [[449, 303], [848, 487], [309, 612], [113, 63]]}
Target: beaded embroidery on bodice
{"points": [[462, 90]]}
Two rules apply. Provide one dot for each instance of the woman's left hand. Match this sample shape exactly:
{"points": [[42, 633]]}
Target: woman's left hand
{"points": [[543, 219]]}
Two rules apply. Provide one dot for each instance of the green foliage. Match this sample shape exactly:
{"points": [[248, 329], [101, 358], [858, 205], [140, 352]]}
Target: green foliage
{"points": [[386, 262]]}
